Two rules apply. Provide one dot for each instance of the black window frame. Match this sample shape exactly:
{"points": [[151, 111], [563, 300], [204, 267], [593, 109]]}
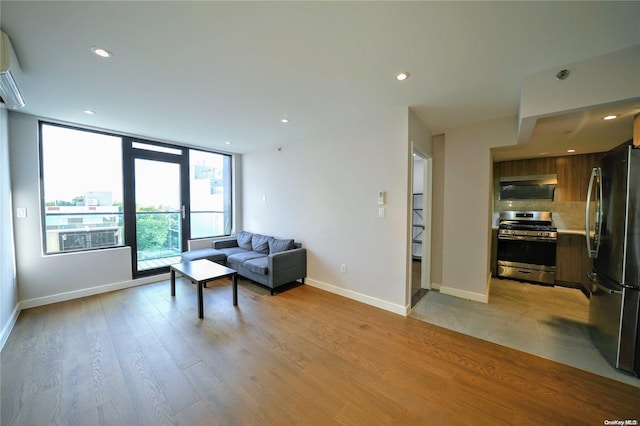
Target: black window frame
{"points": [[128, 209]]}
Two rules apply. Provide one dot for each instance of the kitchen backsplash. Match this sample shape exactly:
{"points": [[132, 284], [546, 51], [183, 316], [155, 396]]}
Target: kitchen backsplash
{"points": [[565, 215]]}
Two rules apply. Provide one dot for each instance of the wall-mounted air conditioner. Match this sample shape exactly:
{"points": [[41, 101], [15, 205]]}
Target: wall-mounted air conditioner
{"points": [[9, 67]]}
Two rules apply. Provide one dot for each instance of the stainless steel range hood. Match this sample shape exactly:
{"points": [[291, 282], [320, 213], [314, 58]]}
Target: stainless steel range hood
{"points": [[536, 187]]}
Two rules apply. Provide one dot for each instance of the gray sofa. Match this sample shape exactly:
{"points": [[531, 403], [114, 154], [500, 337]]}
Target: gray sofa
{"points": [[264, 259]]}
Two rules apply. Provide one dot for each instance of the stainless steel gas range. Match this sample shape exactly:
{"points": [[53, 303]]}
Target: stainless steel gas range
{"points": [[527, 246]]}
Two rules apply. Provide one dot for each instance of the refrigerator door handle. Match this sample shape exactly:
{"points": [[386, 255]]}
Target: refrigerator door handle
{"points": [[599, 212], [587, 221], [594, 279]]}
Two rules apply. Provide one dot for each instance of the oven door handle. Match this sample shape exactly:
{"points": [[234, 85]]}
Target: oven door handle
{"points": [[525, 238]]}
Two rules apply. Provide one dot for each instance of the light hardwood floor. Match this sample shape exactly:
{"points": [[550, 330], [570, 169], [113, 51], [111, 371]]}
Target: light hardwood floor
{"points": [[550, 322], [304, 356]]}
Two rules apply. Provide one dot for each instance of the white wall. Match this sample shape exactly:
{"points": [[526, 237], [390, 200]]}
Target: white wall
{"points": [[468, 204], [324, 193], [46, 279], [8, 289], [420, 134], [437, 212]]}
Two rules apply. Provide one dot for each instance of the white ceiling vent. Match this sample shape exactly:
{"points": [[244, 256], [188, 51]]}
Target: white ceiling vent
{"points": [[9, 68]]}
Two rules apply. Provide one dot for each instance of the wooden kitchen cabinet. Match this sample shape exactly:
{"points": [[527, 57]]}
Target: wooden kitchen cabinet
{"points": [[534, 166], [572, 262], [573, 176]]}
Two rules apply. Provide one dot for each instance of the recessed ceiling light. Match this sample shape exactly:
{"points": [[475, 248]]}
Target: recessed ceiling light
{"points": [[227, 142], [402, 76], [285, 120], [571, 150], [562, 74], [610, 117], [102, 52], [89, 111]]}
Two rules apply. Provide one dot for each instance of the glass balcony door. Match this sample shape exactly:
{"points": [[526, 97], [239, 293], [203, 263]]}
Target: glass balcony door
{"points": [[159, 213], [156, 180]]}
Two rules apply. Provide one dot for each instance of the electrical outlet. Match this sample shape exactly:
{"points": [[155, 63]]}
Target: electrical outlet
{"points": [[343, 268]]}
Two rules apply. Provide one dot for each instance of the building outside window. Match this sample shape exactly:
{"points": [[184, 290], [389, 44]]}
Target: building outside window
{"points": [[81, 189]]}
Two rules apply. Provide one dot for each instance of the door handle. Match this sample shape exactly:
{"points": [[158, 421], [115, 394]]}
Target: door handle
{"points": [[594, 279], [593, 251], [184, 213]]}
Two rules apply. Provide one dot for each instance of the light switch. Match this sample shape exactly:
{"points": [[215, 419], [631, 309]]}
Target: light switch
{"points": [[21, 212], [381, 212]]}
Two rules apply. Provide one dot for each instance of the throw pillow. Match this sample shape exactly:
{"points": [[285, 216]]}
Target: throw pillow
{"points": [[276, 246], [260, 243], [244, 240]]}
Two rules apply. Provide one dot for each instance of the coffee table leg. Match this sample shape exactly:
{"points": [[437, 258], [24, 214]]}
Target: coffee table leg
{"points": [[173, 283], [200, 302], [235, 289]]}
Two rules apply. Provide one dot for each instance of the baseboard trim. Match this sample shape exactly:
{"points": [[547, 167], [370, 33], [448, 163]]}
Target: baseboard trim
{"points": [[378, 303], [6, 330], [476, 297], [76, 294]]}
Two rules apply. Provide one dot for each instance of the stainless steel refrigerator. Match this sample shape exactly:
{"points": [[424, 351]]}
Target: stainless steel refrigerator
{"points": [[613, 243]]}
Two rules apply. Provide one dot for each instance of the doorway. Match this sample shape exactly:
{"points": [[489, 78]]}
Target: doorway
{"points": [[157, 223], [420, 252], [158, 213]]}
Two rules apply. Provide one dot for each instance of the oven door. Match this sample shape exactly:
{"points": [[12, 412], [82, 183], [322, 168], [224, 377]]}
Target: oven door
{"points": [[526, 258]]}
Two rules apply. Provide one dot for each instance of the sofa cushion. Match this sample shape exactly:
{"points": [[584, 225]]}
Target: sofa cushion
{"points": [[259, 265], [260, 243], [231, 250], [244, 239], [206, 253], [239, 258], [276, 245]]}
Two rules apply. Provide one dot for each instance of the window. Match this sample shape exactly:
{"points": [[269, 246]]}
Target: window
{"points": [[210, 193], [81, 189], [93, 185]]}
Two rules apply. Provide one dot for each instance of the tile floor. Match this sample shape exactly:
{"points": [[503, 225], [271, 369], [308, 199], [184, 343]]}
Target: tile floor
{"points": [[551, 322]]}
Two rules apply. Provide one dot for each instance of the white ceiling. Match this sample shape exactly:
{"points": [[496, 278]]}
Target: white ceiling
{"points": [[203, 73]]}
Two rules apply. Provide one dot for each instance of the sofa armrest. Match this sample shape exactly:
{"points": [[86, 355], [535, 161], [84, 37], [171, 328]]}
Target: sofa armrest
{"points": [[227, 243], [287, 266]]}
